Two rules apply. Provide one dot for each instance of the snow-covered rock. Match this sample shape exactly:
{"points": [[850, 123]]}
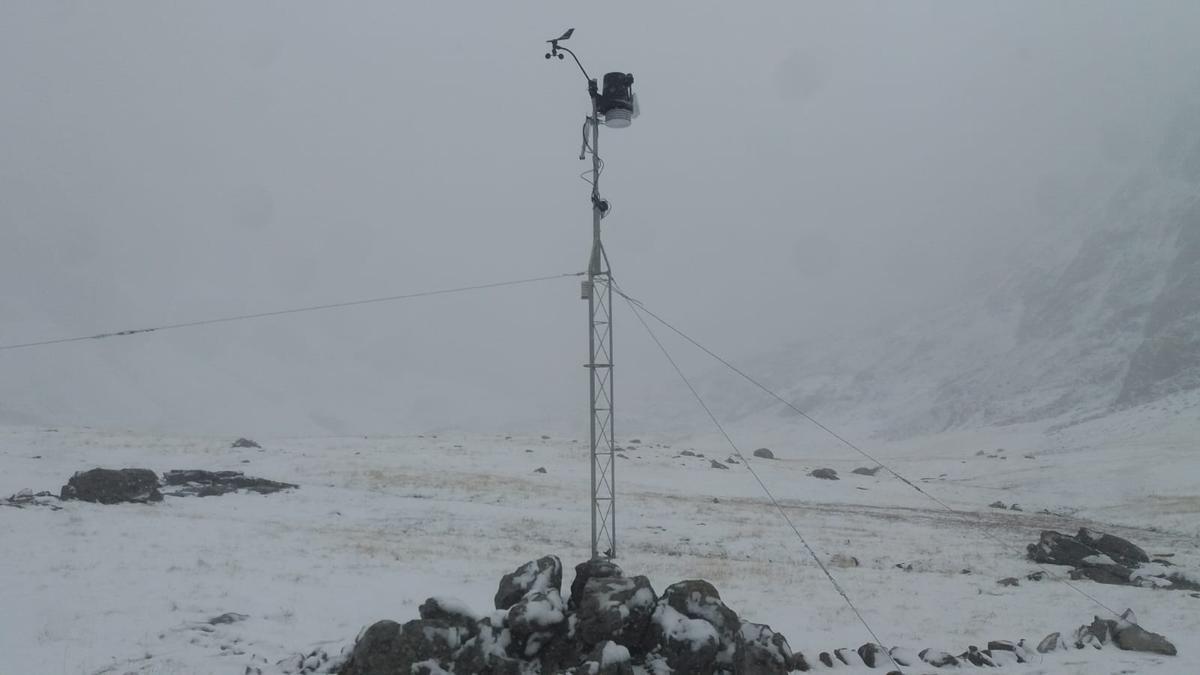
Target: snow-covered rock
{"points": [[617, 609], [698, 599], [543, 574], [761, 651]]}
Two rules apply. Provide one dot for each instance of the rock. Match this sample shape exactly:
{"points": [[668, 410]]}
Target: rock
{"points": [[761, 651], [27, 497], [245, 443], [688, 453], [1120, 550], [1015, 507], [533, 621], [1035, 576], [560, 654], [937, 659], [848, 657], [200, 483], [714, 464], [485, 653], [597, 568], [610, 659], [800, 662], [616, 609], [1059, 549], [1180, 582], [1132, 637], [540, 469], [977, 658], [827, 474], [697, 599], [113, 486], [732, 460], [688, 645], [450, 611], [865, 471], [826, 659], [1088, 640], [1050, 643], [1006, 646], [542, 574], [226, 618], [1103, 629], [843, 560], [997, 505], [903, 656], [873, 654], [1103, 574], [386, 647], [1002, 658], [1009, 581], [764, 453]]}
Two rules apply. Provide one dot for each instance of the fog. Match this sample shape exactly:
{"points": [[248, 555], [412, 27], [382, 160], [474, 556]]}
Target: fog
{"points": [[797, 169]]}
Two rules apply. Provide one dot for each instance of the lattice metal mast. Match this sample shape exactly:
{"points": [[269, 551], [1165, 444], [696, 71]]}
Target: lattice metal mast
{"points": [[616, 106]]}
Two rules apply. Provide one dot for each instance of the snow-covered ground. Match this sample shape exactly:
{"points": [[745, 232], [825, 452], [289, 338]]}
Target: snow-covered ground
{"points": [[381, 523]]}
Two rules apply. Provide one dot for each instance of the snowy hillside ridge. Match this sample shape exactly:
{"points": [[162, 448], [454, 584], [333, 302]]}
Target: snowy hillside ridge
{"points": [[1090, 318]]}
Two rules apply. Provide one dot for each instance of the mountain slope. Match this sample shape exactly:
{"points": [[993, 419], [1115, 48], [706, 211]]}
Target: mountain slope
{"points": [[1095, 315]]}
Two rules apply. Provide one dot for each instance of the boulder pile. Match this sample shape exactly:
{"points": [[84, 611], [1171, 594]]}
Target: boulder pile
{"points": [[1108, 559], [611, 623]]}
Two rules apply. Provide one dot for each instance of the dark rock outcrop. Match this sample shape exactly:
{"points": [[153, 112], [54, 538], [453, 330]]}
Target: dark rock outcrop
{"points": [[873, 654], [113, 486], [761, 651], [698, 599], [386, 647], [485, 653], [1122, 551], [535, 620], [764, 453], [938, 659], [688, 645], [451, 612], [596, 568], [1104, 558], [245, 443], [827, 474], [1055, 548], [1133, 637], [200, 483], [542, 574], [616, 609]]}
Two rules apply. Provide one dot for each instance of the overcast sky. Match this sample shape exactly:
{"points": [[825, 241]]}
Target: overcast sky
{"points": [[797, 167]]}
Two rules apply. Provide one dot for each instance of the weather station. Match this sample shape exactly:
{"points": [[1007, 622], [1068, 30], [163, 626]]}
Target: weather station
{"points": [[615, 106]]}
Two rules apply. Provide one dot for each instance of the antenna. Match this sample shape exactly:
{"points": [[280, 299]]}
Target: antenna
{"points": [[615, 105]]}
